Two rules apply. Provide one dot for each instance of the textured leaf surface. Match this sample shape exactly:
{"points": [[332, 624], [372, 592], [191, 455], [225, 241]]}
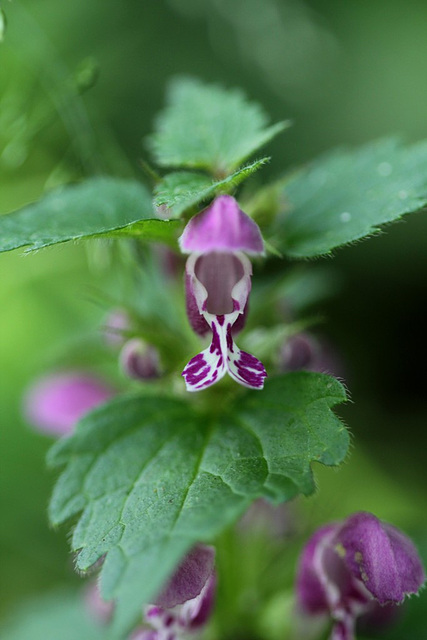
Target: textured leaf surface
{"points": [[348, 195], [182, 190], [208, 127], [97, 207], [152, 475]]}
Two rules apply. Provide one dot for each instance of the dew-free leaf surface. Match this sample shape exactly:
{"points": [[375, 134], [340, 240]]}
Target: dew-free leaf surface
{"points": [[208, 127], [348, 195], [183, 190], [99, 207], [151, 476]]}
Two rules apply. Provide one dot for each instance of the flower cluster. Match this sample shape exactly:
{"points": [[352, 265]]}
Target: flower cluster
{"points": [[346, 567]]}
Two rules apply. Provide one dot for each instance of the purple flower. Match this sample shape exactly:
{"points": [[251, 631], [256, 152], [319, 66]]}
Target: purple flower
{"points": [[139, 360], [54, 404], [304, 351], [218, 283], [186, 602], [347, 566]]}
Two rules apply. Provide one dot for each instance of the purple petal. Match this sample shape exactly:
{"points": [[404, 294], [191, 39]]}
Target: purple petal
{"points": [[223, 226], [344, 629], [190, 578], [408, 561], [311, 592], [197, 320], [195, 613], [382, 557], [219, 273], [244, 368], [325, 583], [206, 368], [213, 295], [56, 403], [221, 357]]}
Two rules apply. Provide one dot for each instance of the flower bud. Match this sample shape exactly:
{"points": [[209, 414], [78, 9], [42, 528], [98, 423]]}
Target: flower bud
{"points": [[304, 351], [56, 403], [382, 557], [139, 360], [347, 566], [186, 601]]}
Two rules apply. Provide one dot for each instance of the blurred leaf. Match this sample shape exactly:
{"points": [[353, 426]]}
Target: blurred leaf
{"points": [[3, 24], [61, 614], [208, 127], [348, 195], [99, 207], [152, 475], [183, 189]]}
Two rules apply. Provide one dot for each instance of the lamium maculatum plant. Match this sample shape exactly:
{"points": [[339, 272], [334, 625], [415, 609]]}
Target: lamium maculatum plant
{"points": [[154, 478]]}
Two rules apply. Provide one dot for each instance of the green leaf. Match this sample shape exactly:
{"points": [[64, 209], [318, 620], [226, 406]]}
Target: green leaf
{"points": [[62, 614], [182, 190], [208, 127], [153, 475], [348, 195], [99, 207]]}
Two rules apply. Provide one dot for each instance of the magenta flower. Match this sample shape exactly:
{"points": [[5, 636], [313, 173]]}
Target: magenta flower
{"points": [[218, 283], [346, 567], [186, 602], [56, 403]]}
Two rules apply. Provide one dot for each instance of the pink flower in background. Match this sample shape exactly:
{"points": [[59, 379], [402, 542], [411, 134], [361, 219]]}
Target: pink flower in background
{"points": [[218, 283], [54, 404]]}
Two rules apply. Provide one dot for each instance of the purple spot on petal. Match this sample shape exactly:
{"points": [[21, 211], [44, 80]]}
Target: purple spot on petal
{"points": [[195, 379], [199, 358], [230, 343], [216, 344], [168, 620], [154, 612], [220, 320], [248, 360]]}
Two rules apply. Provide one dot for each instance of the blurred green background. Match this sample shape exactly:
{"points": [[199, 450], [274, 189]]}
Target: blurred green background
{"points": [[80, 83]]}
